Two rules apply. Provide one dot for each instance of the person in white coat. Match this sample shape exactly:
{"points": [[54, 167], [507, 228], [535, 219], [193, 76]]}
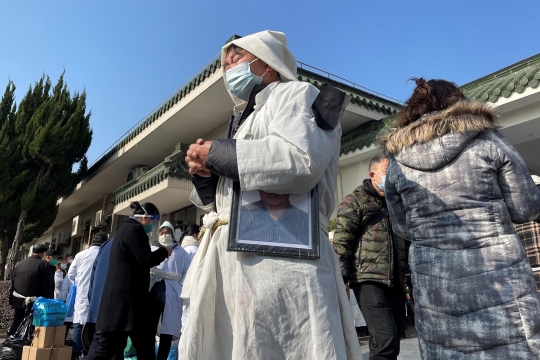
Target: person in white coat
{"points": [[80, 273], [190, 243], [246, 305], [167, 318], [59, 276]]}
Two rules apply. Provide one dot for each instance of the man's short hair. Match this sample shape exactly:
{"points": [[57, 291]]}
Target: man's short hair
{"points": [[376, 161], [99, 238], [232, 47], [39, 248], [53, 253]]}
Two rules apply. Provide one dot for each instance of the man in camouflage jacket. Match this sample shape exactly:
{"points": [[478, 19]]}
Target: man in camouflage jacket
{"points": [[374, 261]]}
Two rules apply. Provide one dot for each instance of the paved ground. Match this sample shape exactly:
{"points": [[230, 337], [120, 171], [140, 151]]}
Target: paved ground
{"points": [[409, 346]]}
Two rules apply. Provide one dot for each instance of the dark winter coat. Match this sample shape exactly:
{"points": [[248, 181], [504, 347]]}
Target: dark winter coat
{"points": [[125, 299], [31, 277], [454, 188], [367, 248]]}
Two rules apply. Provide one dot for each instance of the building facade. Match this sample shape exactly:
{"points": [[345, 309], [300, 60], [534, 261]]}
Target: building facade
{"points": [[148, 164]]}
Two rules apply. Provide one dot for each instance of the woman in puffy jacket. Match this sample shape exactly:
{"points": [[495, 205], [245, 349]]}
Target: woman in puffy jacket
{"points": [[454, 186]]}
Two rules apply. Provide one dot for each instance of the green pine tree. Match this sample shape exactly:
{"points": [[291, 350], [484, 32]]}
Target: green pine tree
{"points": [[8, 155], [51, 134]]}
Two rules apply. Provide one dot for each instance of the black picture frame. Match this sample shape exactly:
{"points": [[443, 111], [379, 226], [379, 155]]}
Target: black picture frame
{"points": [[310, 251]]}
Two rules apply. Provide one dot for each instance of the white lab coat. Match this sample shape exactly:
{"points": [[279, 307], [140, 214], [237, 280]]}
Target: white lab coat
{"points": [[58, 281], [66, 287], [191, 245], [249, 306], [178, 263], [79, 274]]}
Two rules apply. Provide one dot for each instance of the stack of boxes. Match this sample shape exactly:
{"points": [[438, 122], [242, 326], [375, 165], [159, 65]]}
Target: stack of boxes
{"points": [[48, 344]]}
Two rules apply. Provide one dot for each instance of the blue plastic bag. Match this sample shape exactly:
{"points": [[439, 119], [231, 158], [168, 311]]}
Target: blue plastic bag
{"points": [[71, 300], [49, 312]]}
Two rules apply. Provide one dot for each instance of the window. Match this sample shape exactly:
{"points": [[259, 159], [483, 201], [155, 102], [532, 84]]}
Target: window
{"points": [[183, 218]]}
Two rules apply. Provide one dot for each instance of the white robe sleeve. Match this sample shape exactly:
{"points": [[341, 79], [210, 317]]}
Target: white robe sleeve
{"points": [[57, 285], [196, 200], [296, 152], [66, 286], [72, 272]]}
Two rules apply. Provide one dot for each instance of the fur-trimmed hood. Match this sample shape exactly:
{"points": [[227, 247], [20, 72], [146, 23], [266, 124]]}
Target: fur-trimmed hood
{"points": [[436, 138]]}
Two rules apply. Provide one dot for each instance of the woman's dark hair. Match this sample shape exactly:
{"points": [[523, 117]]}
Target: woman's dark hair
{"points": [[427, 97], [144, 209], [193, 229]]}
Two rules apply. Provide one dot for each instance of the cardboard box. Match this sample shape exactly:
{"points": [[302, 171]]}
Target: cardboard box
{"points": [[58, 353], [45, 337]]}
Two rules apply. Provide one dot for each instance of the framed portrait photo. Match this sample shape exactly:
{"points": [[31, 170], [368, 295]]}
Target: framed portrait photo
{"points": [[275, 224]]}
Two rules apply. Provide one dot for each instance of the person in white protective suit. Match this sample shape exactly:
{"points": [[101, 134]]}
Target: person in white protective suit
{"points": [[59, 280], [172, 272], [190, 243], [80, 273], [250, 306]]}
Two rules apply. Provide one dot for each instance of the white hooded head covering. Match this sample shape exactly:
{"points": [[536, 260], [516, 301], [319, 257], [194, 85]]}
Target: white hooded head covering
{"points": [[270, 47], [169, 225]]}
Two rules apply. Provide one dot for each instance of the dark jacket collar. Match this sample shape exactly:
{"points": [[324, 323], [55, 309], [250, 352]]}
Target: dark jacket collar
{"points": [[370, 189]]}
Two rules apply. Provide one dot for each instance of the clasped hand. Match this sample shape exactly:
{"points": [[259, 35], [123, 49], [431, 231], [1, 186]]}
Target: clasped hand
{"points": [[196, 158]]}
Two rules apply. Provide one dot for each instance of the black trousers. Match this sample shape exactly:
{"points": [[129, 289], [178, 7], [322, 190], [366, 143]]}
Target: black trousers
{"points": [[165, 340], [17, 320], [383, 308], [109, 345]]}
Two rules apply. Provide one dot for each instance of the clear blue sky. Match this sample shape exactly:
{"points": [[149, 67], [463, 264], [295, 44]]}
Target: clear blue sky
{"points": [[131, 55]]}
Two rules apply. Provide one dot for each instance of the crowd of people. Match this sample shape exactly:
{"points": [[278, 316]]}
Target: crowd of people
{"points": [[155, 307], [440, 203]]}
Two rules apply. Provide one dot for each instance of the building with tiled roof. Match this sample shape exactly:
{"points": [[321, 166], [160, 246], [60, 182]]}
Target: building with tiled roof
{"points": [[147, 163], [514, 91]]}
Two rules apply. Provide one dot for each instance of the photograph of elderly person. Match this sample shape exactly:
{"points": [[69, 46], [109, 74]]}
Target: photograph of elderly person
{"points": [[274, 219]]}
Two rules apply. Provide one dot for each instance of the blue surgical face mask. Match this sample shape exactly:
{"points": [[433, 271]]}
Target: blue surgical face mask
{"points": [[383, 179], [148, 228], [240, 80], [63, 266]]}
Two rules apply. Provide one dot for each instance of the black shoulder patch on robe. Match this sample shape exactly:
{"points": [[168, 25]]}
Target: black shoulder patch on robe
{"points": [[328, 107]]}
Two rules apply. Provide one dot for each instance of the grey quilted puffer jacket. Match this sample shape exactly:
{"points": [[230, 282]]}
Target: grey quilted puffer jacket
{"points": [[454, 187]]}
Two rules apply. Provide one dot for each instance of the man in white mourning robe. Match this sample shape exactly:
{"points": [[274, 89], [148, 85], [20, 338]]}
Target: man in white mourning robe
{"points": [[246, 305]]}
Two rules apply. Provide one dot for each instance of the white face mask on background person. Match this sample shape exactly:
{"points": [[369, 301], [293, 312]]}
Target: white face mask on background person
{"points": [[165, 239], [383, 179]]}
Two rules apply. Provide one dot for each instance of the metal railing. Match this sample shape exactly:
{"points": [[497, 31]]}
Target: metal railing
{"points": [[347, 82]]}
